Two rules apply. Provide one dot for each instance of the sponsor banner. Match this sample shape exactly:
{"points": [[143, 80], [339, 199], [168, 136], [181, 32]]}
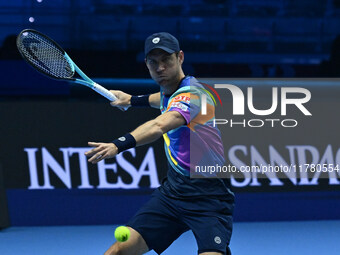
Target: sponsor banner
{"points": [[46, 140], [49, 180]]}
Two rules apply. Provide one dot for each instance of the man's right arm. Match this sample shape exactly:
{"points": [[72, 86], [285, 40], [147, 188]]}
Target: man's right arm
{"points": [[124, 99], [155, 100]]}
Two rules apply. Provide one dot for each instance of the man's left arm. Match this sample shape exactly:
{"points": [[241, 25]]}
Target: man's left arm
{"points": [[144, 134]]}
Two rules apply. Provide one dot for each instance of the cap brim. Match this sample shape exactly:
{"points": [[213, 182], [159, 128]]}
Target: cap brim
{"points": [[170, 51]]}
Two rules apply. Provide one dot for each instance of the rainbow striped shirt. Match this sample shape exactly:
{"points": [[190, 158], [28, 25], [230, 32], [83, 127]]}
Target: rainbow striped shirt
{"points": [[198, 143]]}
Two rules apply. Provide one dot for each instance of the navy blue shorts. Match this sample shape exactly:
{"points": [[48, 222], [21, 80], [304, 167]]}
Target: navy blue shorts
{"points": [[163, 219]]}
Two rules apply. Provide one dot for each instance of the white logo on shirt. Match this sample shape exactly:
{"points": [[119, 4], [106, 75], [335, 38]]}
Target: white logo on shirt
{"points": [[180, 105]]}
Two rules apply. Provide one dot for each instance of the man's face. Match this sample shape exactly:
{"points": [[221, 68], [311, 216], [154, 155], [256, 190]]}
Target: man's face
{"points": [[164, 68]]}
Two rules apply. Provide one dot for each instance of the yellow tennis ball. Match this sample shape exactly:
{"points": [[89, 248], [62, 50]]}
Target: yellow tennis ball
{"points": [[122, 234]]}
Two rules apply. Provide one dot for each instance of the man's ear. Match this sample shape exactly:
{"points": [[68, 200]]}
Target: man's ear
{"points": [[146, 63], [181, 56]]}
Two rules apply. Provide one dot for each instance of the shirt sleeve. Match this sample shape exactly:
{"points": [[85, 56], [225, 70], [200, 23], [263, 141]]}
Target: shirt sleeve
{"points": [[187, 104]]}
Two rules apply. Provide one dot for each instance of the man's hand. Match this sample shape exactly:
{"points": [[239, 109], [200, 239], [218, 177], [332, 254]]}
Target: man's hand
{"points": [[123, 100], [101, 151]]}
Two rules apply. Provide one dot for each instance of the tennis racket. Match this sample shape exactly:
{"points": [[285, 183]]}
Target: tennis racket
{"points": [[47, 57]]}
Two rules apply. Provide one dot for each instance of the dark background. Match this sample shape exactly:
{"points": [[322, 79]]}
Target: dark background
{"points": [[225, 38]]}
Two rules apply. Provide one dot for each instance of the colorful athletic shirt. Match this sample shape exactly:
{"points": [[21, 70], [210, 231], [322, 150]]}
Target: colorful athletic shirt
{"points": [[197, 143]]}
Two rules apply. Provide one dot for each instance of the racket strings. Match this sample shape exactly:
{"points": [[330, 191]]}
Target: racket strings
{"points": [[44, 55]]}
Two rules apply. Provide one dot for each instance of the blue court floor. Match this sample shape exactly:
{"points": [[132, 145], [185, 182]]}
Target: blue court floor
{"points": [[279, 238]]}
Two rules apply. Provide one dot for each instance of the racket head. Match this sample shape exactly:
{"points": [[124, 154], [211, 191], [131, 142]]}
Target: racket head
{"points": [[45, 55]]}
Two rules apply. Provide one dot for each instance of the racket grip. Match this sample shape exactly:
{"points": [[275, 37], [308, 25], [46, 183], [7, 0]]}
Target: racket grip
{"points": [[104, 92]]}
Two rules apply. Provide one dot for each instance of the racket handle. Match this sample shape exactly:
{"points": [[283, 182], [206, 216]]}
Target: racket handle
{"points": [[105, 93]]}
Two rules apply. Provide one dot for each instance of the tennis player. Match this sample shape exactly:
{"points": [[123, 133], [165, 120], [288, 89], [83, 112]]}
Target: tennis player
{"points": [[181, 203]]}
